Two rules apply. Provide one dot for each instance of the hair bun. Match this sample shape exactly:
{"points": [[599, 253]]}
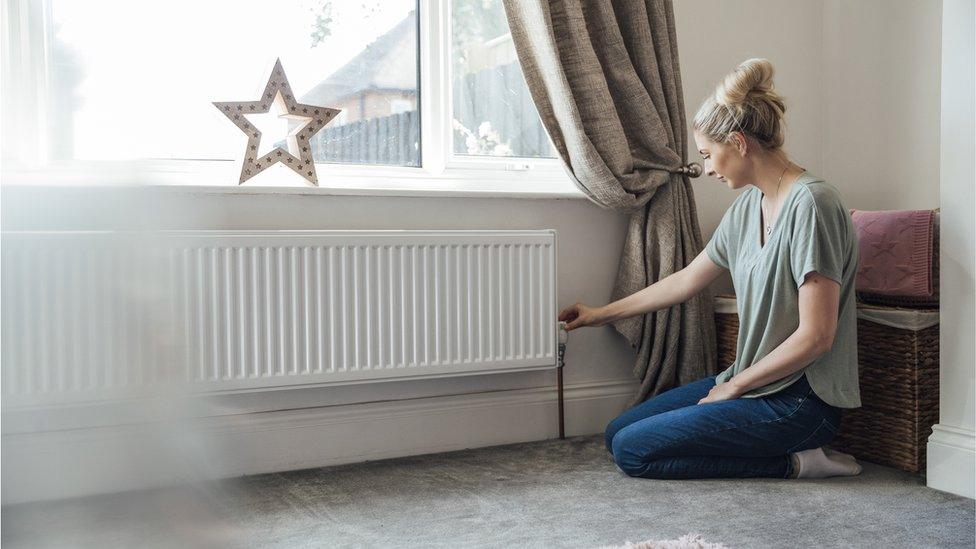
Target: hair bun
{"points": [[750, 85], [746, 101], [752, 77]]}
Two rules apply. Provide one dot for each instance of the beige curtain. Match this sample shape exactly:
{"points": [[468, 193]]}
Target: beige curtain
{"points": [[604, 76]]}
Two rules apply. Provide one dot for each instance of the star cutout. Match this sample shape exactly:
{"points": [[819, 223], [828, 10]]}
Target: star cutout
{"points": [[313, 119], [892, 277], [886, 245]]}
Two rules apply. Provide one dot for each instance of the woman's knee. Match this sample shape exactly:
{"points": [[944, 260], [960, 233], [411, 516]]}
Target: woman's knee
{"points": [[673, 399], [616, 425], [633, 457], [611, 431], [625, 459]]}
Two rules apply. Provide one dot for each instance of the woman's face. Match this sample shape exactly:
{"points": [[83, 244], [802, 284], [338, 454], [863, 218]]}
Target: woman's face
{"points": [[723, 161]]}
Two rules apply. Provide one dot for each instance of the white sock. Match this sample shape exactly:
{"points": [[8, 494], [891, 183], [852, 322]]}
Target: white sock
{"points": [[831, 453], [814, 463]]}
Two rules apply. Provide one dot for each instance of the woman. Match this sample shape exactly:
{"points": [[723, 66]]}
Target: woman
{"points": [[790, 246]]}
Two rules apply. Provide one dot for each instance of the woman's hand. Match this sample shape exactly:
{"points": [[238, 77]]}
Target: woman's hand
{"points": [[722, 391], [578, 315]]}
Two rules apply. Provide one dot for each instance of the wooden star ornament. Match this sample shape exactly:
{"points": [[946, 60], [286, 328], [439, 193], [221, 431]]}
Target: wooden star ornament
{"points": [[312, 118]]}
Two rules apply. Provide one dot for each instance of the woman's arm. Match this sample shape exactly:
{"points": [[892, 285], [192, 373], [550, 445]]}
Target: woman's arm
{"points": [[819, 300], [670, 290]]}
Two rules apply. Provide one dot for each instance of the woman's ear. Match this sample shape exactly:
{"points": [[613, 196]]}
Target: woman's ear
{"points": [[740, 143]]}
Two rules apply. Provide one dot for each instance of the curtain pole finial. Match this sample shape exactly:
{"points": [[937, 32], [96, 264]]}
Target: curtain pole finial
{"points": [[691, 169]]}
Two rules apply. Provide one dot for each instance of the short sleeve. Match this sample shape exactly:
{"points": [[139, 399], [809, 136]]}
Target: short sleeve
{"points": [[817, 242], [717, 247]]}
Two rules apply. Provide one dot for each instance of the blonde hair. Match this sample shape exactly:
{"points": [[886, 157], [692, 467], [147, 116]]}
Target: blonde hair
{"points": [[744, 101]]}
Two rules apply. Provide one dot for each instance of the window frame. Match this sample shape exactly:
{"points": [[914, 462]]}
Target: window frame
{"points": [[442, 172]]}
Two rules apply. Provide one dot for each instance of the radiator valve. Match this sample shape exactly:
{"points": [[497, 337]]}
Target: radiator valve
{"points": [[563, 338]]}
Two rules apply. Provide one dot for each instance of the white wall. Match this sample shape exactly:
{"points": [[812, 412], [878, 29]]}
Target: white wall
{"points": [[881, 102], [952, 446]]}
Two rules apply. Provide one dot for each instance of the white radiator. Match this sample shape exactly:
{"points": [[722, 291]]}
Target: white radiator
{"points": [[89, 315]]}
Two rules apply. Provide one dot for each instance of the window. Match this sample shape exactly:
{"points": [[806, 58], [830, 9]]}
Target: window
{"points": [[401, 105], [493, 111], [429, 89], [356, 56]]}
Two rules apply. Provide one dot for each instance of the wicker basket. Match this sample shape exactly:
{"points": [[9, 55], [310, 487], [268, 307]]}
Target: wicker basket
{"points": [[899, 383]]}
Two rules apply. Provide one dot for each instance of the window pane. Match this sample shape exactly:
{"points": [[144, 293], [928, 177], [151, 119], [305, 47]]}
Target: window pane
{"points": [[172, 59], [493, 110]]}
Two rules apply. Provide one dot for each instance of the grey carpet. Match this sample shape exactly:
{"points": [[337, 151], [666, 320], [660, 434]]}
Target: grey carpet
{"points": [[540, 494]]}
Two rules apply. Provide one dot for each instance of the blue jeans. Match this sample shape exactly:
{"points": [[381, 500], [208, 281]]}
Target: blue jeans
{"points": [[671, 436]]}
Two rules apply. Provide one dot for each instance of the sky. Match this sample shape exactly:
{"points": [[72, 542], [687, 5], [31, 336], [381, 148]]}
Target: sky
{"points": [[153, 69]]}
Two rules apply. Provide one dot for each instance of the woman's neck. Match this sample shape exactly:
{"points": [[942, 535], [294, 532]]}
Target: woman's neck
{"points": [[774, 175]]}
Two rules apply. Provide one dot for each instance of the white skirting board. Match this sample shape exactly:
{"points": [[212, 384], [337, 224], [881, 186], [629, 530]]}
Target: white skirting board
{"points": [[952, 460], [61, 464]]}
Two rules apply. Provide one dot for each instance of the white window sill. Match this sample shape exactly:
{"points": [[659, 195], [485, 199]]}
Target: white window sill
{"points": [[547, 181]]}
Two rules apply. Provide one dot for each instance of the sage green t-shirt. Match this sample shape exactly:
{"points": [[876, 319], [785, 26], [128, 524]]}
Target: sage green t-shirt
{"points": [[813, 232]]}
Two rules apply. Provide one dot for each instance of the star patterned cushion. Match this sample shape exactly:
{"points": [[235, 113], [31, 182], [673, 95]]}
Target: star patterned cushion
{"points": [[898, 261]]}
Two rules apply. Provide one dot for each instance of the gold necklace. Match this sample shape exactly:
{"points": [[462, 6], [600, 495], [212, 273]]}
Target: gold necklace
{"points": [[769, 227]]}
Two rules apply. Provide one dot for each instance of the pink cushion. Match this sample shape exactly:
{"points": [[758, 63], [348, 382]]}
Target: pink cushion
{"points": [[895, 252]]}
